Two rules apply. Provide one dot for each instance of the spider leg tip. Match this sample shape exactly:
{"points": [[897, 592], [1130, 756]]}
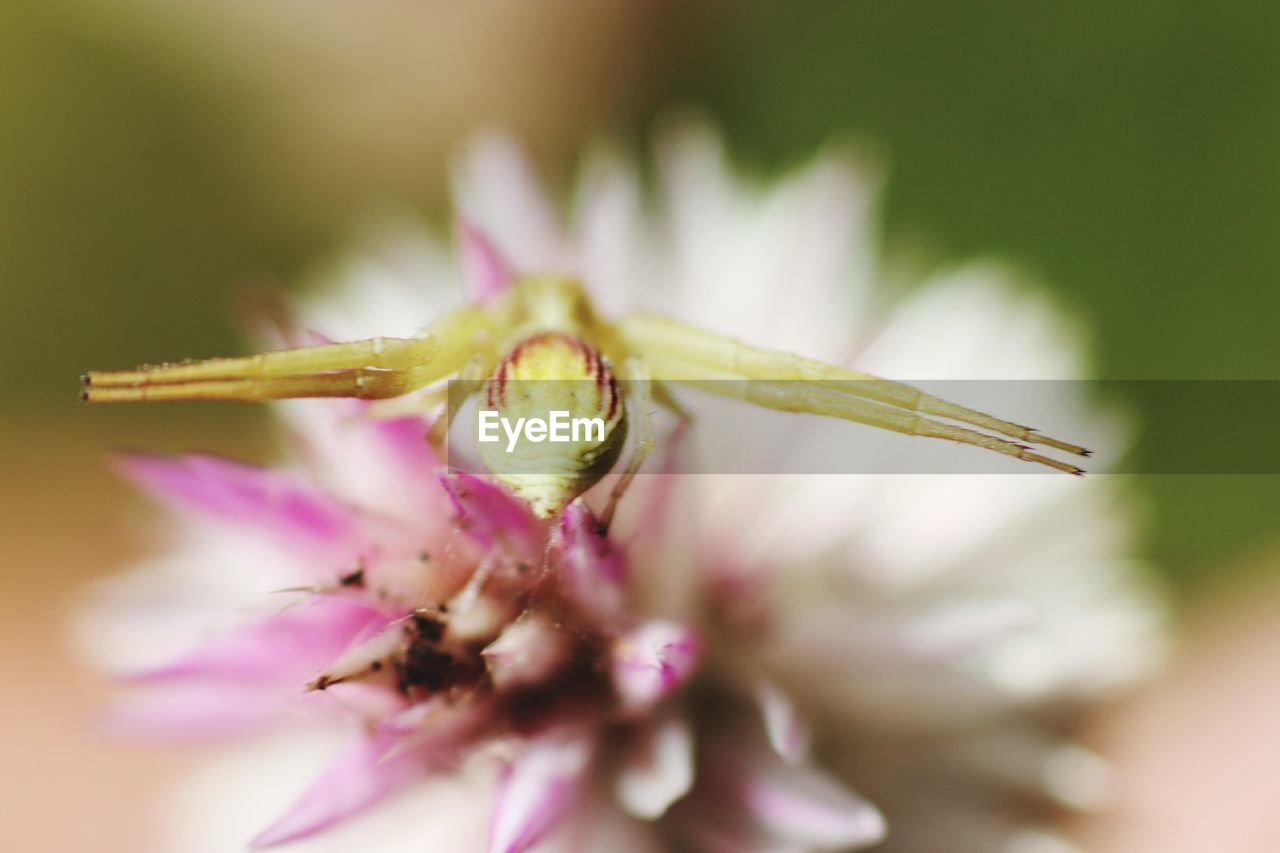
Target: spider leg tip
{"points": [[1038, 437]]}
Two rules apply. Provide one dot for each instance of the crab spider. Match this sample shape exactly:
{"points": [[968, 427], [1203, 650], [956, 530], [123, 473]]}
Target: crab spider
{"points": [[543, 328]]}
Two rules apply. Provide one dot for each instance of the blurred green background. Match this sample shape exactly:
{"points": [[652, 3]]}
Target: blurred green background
{"points": [[153, 157]]}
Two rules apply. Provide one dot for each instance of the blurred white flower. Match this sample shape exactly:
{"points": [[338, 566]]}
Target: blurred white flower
{"points": [[766, 646]]}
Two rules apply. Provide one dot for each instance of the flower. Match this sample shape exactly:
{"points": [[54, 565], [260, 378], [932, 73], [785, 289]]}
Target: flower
{"points": [[741, 663]]}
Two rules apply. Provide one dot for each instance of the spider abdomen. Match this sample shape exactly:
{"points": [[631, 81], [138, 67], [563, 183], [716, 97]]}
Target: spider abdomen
{"points": [[563, 419]]}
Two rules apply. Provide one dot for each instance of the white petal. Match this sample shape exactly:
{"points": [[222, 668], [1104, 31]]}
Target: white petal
{"points": [[786, 730], [1039, 841], [658, 769], [528, 650], [495, 188], [976, 322], [396, 280]]}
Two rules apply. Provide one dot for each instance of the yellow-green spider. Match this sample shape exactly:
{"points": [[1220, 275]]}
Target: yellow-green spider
{"points": [[544, 328]]}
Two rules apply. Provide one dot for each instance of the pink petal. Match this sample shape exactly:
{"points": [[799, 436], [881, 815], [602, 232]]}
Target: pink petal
{"points": [[200, 710], [195, 711], [540, 788], [404, 444], [658, 769], [794, 803], [374, 645], [361, 776], [653, 661], [486, 272], [251, 678], [290, 647], [277, 501], [786, 731], [815, 809], [593, 571], [491, 515], [368, 461]]}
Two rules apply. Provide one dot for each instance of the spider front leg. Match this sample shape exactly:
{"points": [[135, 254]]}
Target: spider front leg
{"points": [[371, 369], [780, 380]]}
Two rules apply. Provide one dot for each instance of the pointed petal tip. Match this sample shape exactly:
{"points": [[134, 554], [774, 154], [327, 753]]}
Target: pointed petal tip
{"points": [[653, 661], [595, 573], [356, 781], [784, 728], [268, 839], [526, 652], [492, 513]]}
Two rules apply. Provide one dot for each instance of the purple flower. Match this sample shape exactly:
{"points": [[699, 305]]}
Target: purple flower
{"points": [[448, 626], [741, 663]]}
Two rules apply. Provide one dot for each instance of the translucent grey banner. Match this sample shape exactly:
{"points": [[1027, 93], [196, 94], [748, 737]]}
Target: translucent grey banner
{"points": [[869, 426]]}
